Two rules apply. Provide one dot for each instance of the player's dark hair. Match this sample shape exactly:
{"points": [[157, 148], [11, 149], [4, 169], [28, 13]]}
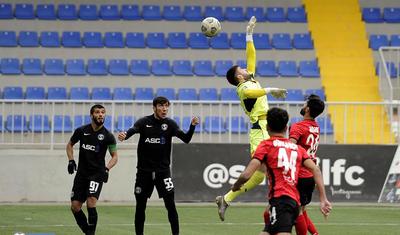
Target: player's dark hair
{"points": [[96, 106], [277, 119], [160, 100], [231, 75], [316, 105]]}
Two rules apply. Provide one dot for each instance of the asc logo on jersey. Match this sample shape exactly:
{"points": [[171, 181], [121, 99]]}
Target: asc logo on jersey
{"points": [[89, 147], [155, 140]]}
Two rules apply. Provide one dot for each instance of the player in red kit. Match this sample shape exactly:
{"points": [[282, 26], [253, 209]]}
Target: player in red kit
{"points": [[283, 160], [306, 134]]}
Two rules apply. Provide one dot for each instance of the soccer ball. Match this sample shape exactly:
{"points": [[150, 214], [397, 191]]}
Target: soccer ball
{"points": [[210, 26]]}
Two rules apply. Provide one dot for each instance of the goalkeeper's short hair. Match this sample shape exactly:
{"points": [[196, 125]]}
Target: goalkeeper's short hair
{"points": [[231, 75], [315, 104]]}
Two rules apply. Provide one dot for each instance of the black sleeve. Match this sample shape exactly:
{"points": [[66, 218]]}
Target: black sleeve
{"points": [[185, 137], [111, 139], [135, 129], [76, 136]]}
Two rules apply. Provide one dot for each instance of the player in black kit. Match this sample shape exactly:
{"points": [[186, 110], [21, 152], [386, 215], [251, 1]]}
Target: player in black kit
{"points": [[153, 164], [94, 140]]}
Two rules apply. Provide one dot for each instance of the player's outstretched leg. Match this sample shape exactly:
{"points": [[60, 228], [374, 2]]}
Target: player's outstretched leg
{"points": [[222, 205]]}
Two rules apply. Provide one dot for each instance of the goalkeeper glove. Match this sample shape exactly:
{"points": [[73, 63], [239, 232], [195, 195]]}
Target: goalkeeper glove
{"points": [[276, 92], [71, 167], [251, 25], [106, 174]]}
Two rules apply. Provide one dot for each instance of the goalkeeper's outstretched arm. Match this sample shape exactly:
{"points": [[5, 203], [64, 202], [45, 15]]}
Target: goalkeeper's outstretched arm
{"points": [[250, 49]]}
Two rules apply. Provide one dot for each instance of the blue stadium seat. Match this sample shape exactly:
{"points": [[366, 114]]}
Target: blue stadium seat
{"points": [[118, 67], [242, 63], [234, 13], [97, 67], [151, 12], [6, 11], [391, 67], [1, 122], [13, 92], [302, 41], [161, 68], [75, 67], [168, 93], [266, 68], [203, 68], [236, 125], [8, 39], [271, 98], [376, 41], [220, 41], [309, 69], [296, 14], [80, 120], [318, 92], [186, 122], [287, 68], [32, 66], [71, 39], [39, 123], [372, 15], [391, 15], [46, 12], [10, 66], [28, 39], [198, 41], [108, 123], [109, 12], [79, 93], [182, 68], [214, 11], [294, 95], [208, 94], [130, 12], [294, 120], [123, 93], [187, 94], [101, 93], [140, 67], [144, 93], [258, 12], [238, 40], [88, 12], [16, 123], [281, 41], [192, 13], [229, 94], [49, 39], [177, 40], [214, 124], [125, 122], [395, 40], [177, 119], [172, 12], [114, 40], [156, 40], [325, 125], [222, 66], [67, 12], [57, 93], [54, 67], [276, 14], [62, 123], [261, 41], [35, 93], [24, 11], [135, 40]]}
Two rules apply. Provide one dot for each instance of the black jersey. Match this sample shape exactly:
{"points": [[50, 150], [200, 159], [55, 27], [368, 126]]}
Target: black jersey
{"points": [[93, 147], [154, 148]]}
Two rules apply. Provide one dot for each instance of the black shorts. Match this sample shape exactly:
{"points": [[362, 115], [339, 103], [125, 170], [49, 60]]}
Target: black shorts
{"points": [[85, 187], [306, 188], [145, 182], [283, 212]]}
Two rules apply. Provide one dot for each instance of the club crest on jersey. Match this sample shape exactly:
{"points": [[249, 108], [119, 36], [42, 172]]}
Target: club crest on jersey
{"points": [[100, 137], [138, 190], [164, 127]]}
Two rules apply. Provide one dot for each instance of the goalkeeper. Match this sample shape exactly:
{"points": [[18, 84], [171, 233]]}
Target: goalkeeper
{"points": [[253, 99]]}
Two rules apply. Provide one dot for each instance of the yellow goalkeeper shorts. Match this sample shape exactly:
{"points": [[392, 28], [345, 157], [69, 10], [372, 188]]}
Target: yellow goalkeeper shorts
{"points": [[258, 133]]}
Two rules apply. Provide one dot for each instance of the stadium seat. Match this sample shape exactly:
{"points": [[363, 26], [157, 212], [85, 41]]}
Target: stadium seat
{"points": [[8, 39], [16, 123], [182, 68], [177, 119], [391, 68], [168, 93], [238, 40], [6, 11], [236, 125], [140, 67], [46, 12], [88, 12], [10, 66], [395, 40], [203, 68], [75, 67], [80, 120], [296, 14], [144, 93], [220, 41], [222, 66], [24, 11], [135, 40], [97, 67], [266, 68], [294, 95], [161, 68], [54, 67], [325, 125], [187, 94], [28, 39], [214, 124], [108, 123], [130, 12], [123, 93], [35, 93], [186, 122], [177, 40], [109, 12], [294, 120], [62, 123], [156, 40], [67, 12], [71, 39], [372, 15], [229, 94], [261, 41], [32, 66], [242, 63], [377, 41], [198, 41], [287, 69], [271, 98], [79, 93], [276, 14], [318, 92], [391, 15], [309, 69], [49, 39], [151, 12], [57, 93], [281, 41], [13, 93], [258, 12], [214, 11], [302, 41], [209, 94], [101, 93], [39, 123], [114, 40], [234, 13], [172, 12], [125, 122], [192, 13], [118, 67]]}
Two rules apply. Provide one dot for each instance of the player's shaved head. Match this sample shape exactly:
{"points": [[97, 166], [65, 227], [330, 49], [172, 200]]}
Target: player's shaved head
{"points": [[231, 75], [277, 119]]}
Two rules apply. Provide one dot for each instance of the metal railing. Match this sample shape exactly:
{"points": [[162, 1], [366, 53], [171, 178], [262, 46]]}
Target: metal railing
{"points": [[389, 77]]}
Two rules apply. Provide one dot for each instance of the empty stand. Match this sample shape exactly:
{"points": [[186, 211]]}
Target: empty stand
{"points": [[39, 123], [49, 39], [302, 41], [57, 93], [203, 68], [124, 122], [75, 67], [161, 68], [266, 68], [6, 11], [209, 94], [13, 93], [177, 40], [237, 125], [296, 14], [261, 41], [140, 67], [46, 12], [28, 39], [258, 12], [35, 93], [220, 41], [377, 41], [130, 12], [151, 12], [198, 41], [92, 39], [144, 93], [391, 14], [114, 40], [222, 66], [187, 94], [88, 12], [168, 93], [214, 11], [214, 124], [192, 13], [309, 69], [287, 69], [24, 11], [172, 12], [372, 15], [8, 39], [109, 12], [118, 67], [32, 66], [156, 40], [54, 67], [79, 93], [71, 39], [238, 40], [229, 94], [294, 95], [123, 93], [135, 40], [16, 123], [101, 93], [234, 13], [67, 12], [62, 123], [10, 66], [182, 68], [282, 41], [80, 120], [276, 14], [97, 67]]}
